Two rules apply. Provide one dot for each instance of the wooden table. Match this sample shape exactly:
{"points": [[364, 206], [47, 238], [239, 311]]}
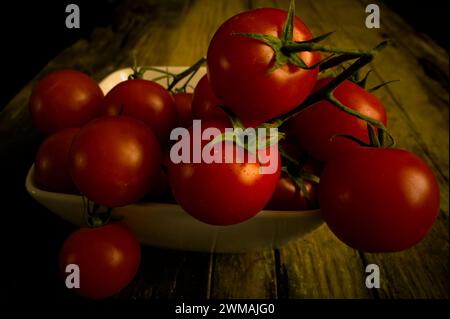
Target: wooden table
{"points": [[317, 266]]}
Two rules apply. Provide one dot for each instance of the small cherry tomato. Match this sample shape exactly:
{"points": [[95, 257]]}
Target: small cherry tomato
{"points": [[63, 99], [107, 257], [379, 199], [51, 166], [146, 101], [115, 160], [228, 191], [316, 127], [239, 68]]}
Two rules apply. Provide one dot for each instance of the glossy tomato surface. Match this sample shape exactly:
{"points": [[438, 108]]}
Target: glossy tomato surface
{"points": [[64, 99], [379, 200], [51, 166], [115, 160], [107, 257], [146, 101], [227, 192], [316, 127], [238, 67]]}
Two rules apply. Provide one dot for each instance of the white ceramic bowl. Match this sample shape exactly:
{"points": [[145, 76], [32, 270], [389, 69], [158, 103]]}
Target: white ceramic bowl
{"points": [[169, 226]]}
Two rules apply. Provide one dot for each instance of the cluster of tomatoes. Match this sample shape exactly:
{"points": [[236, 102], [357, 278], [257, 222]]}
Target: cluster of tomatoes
{"points": [[113, 149]]}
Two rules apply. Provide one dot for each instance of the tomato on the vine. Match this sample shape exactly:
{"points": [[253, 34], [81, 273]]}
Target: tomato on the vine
{"points": [[379, 199], [316, 127], [107, 258], [144, 100], [225, 192], [64, 99], [115, 160], [239, 68], [51, 166]]}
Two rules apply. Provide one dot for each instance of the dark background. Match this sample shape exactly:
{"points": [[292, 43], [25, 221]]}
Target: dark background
{"points": [[31, 35]]}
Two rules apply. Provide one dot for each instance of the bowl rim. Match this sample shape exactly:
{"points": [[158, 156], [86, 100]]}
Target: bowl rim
{"points": [[36, 192]]}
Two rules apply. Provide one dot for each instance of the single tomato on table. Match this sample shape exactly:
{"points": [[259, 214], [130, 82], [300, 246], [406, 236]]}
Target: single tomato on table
{"points": [[107, 257]]}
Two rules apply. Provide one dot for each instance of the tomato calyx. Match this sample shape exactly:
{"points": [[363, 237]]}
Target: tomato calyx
{"points": [[284, 47], [248, 138]]}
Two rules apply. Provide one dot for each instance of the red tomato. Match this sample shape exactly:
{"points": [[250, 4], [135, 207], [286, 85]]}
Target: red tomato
{"points": [[314, 127], [183, 105], [205, 105], [289, 196], [223, 193], [238, 67], [378, 199], [115, 160], [51, 166], [145, 100], [63, 99], [108, 258]]}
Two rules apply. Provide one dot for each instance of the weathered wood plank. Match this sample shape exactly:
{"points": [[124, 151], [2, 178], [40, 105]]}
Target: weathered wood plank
{"points": [[249, 275], [320, 266], [170, 274], [423, 270]]}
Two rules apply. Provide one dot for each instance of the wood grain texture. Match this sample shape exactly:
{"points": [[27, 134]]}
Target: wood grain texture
{"points": [[248, 275], [176, 32]]}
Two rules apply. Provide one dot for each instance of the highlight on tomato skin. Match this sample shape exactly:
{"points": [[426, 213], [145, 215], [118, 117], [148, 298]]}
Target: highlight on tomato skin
{"points": [[64, 99], [239, 67], [115, 160], [316, 128], [143, 100], [107, 258], [379, 199], [51, 165], [226, 192]]}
